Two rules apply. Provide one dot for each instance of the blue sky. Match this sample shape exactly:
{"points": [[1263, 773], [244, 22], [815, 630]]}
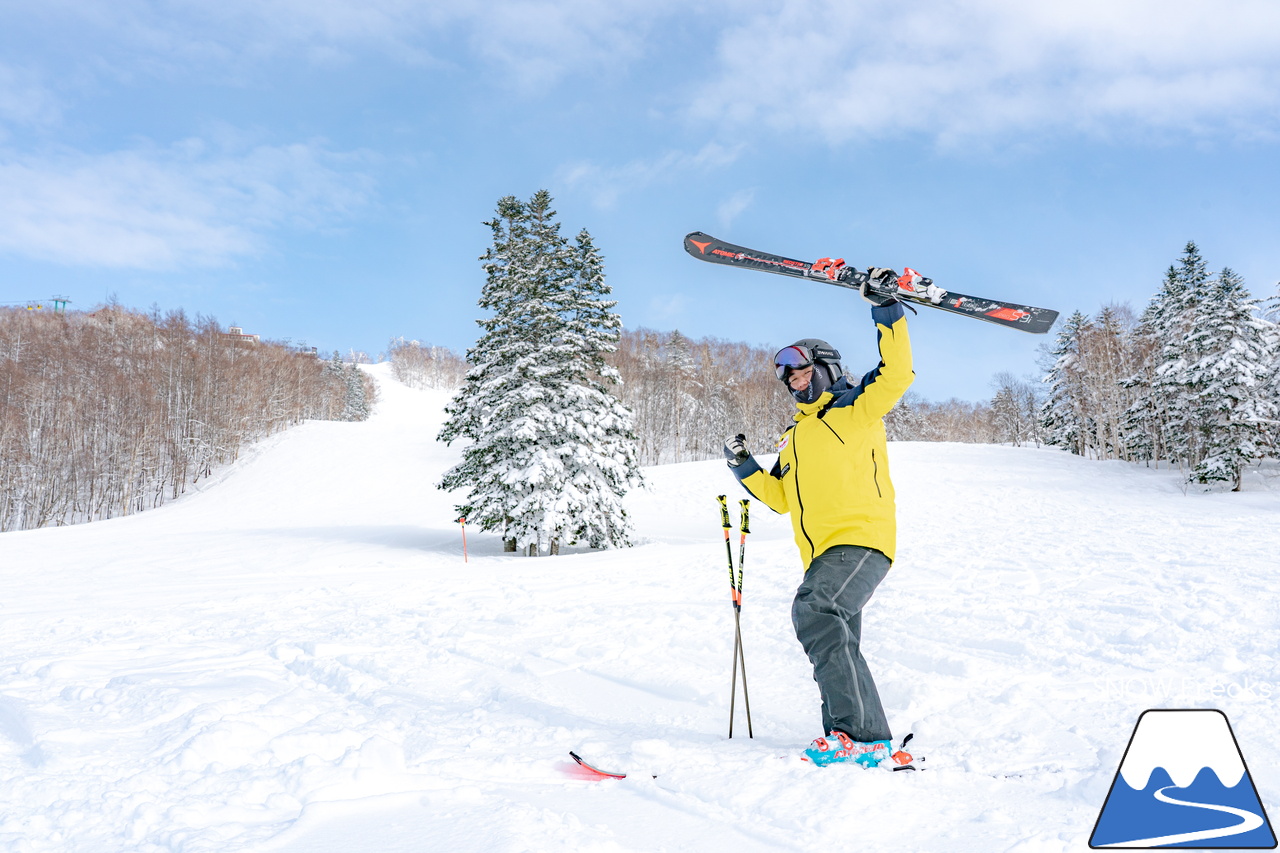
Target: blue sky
{"points": [[320, 171]]}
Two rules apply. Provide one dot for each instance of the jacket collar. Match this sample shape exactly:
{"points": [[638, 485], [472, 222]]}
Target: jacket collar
{"points": [[825, 399]]}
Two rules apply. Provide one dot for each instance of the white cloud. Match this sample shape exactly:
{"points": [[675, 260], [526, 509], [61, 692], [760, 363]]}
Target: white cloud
{"points": [[532, 43], [23, 100], [733, 207], [605, 184], [169, 208], [541, 42], [977, 69], [987, 68]]}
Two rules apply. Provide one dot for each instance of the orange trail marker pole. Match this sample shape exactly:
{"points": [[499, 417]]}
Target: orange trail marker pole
{"points": [[463, 522]]}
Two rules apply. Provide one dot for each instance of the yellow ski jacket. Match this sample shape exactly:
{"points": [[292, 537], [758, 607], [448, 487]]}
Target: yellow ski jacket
{"points": [[832, 472]]}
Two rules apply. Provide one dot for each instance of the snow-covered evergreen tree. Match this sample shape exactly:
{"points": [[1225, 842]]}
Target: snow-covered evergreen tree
{"points": [[599, 453], [1158, 422], [1232, 405], [355, 405], [1177, 329], [1006, 417], [1062, 413], [1271, 314], [490, 386], [1143, 421], [905, 421], [551, 450], [355, 402]]}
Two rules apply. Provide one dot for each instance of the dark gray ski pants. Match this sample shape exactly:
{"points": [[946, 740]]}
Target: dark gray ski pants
{"points": [[827, 614]]}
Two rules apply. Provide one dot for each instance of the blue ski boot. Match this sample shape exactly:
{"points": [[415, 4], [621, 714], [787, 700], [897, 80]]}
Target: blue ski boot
{"points": [[840, 747]]}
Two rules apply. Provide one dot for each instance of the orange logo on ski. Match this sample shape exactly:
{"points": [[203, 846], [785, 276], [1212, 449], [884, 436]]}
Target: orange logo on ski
{"points": [[702, 247], [1010, 314]]}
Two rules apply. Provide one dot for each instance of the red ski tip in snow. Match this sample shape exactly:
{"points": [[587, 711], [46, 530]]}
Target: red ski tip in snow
{"points": [[594, 772]]}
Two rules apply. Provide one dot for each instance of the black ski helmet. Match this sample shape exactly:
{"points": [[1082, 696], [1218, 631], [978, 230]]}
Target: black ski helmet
{"points": [[827, 368]]}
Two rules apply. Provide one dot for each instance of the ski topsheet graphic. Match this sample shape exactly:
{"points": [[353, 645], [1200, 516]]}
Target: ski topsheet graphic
{"points": [[1183, 783], [909, 287]]}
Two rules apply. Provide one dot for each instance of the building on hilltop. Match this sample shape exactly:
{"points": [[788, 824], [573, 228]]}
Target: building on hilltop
{"points": [[237, 335]]}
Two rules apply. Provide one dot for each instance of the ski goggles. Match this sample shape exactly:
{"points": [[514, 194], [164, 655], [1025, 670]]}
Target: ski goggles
{"points": [[798, 357], [791, 358]]}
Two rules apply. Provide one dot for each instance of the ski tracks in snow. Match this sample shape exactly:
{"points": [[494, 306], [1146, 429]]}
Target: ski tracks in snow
{"points": [[297, 659]]}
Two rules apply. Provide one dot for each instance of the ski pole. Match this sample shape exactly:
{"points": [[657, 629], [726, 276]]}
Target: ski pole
{"points": [[728, 546], [733, 596], [745, 528], [735, 593]]}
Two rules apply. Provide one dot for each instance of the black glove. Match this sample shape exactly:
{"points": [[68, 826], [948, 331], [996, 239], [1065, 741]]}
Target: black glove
{"points": [[879, 286], [735, 450]]}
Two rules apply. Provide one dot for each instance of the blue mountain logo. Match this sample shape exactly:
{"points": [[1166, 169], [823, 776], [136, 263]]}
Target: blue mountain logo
{"points": [[1183, 783]]}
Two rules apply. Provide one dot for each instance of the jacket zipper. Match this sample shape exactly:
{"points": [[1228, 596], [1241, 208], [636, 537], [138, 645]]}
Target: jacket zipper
{"points": [[830, 427], [795, 451], [875, 472]]}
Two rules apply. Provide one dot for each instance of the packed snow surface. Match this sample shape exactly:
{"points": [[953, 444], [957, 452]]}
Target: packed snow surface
{"points": [[297, 658]]}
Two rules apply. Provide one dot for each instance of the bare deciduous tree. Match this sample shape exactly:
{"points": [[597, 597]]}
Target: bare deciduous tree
{"points": [[112, 412], [424, 366]]}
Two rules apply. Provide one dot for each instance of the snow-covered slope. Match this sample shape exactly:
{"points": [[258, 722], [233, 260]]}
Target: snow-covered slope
{"points": [[298, 659]]}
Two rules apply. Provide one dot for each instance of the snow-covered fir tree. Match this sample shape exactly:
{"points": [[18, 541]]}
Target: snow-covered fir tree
{"points": [[1143, 421], [552, 451], [1231, 405], [905, 421], [1177, 326], [355, 405], [1063, 417], [1006, 417], [599, 442], [1194, 382], [355, 402], [1156, 426], [1271, 314]]}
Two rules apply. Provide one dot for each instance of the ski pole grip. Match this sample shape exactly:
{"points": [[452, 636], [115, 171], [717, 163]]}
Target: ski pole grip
{"points": [[724, 512], [745, 527]]}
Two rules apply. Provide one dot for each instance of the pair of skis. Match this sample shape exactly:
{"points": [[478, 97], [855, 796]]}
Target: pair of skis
{"points": [[909, 287], [902, 760]]}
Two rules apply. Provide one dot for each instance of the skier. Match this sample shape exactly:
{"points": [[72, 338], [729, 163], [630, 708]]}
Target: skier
{"points": [[832, 475]]}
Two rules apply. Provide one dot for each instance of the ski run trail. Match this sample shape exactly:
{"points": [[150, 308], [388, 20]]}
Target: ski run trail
{"points": [[295, 658]]}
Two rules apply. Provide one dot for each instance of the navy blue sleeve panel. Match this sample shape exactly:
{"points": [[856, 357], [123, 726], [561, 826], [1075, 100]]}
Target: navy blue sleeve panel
{"points": [[764, 487], [746, 469], [887, 315]]}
